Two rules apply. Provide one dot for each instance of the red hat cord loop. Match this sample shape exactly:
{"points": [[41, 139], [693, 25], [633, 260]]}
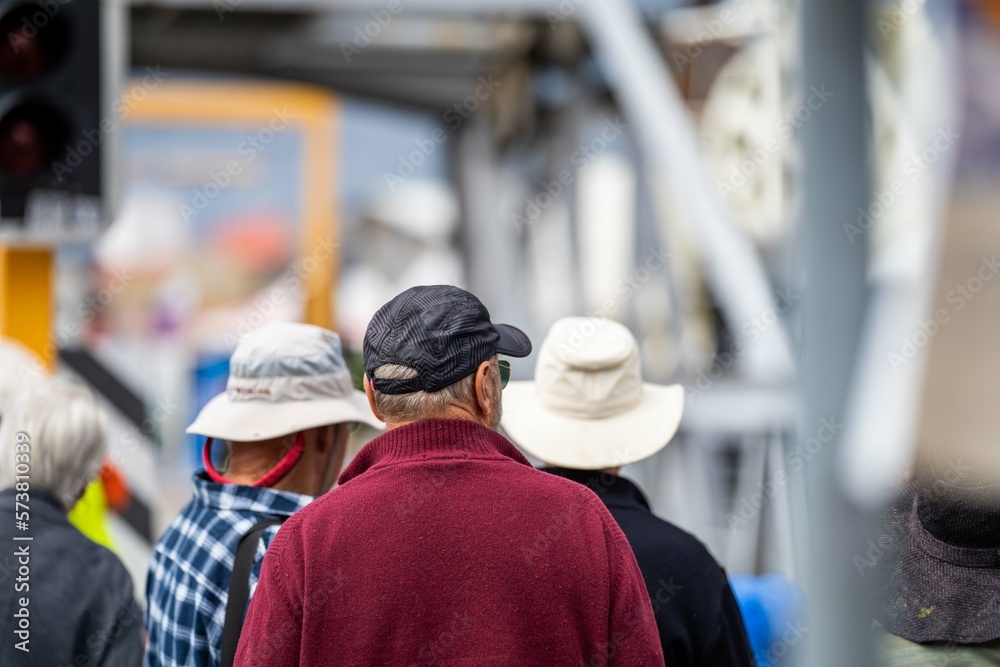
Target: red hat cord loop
{"points": [[273, 476]]}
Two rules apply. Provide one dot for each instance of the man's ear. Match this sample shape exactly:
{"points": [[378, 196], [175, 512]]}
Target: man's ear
{"points": [[484, 388], [370, 393]]}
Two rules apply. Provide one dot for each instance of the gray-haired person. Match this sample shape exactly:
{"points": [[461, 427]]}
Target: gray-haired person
{"points": [[442, 545], [67, 600]]}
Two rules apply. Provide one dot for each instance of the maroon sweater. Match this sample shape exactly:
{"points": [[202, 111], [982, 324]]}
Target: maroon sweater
{"points": [[443, 546]]}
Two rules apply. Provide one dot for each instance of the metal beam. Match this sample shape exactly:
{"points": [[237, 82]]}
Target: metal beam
{"points": [[550, 10], [506, 7], [665, 132], [836, 185]]}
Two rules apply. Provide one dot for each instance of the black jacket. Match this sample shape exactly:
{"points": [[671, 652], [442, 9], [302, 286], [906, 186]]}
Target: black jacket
{"points": [[699, 621], [80, 606]]}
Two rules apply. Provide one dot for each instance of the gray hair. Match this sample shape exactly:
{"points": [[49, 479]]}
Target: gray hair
{"points": [[418, 405], [65, 432]]}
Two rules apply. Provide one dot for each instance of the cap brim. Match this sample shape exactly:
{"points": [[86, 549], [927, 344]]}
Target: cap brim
{"points": [[225, 419], [592, 444], [513, 341]]}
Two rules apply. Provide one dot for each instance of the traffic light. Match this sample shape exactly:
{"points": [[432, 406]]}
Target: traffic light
{"points": [[51, 135]]}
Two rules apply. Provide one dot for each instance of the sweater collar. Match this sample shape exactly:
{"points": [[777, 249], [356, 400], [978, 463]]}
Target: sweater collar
{"points": [[612, 489], [432, 439]]}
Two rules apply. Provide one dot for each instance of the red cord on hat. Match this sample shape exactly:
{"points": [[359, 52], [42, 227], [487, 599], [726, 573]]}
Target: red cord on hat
{"points": [[273, 476]]}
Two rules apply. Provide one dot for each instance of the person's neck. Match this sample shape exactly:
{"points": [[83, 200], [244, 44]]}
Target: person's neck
{"points": [[452, 412], [292, 482], [247, 468]]}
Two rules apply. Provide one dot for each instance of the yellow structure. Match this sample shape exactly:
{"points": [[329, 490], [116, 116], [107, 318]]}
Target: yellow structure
{"points": [[26, 300], [314, 113]]}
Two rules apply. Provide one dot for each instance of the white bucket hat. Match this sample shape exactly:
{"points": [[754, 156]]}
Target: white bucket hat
{"points": [[588, 407], [284, 378]]}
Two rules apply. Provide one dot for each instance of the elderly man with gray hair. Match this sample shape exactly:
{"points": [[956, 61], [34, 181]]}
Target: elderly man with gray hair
{"points": [[66, 600], [442, 545]]}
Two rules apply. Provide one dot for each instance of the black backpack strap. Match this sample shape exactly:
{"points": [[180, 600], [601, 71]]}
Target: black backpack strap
{"points": [[239, 587]]}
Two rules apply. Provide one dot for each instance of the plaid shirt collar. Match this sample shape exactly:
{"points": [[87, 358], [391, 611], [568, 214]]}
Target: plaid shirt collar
{"points": [[238, 497]]}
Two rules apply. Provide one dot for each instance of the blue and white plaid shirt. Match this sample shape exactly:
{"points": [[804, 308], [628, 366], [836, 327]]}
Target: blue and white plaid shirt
{"points": [[188, 582]]}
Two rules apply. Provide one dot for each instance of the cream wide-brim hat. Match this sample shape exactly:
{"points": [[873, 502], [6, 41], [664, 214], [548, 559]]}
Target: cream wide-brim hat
{"points": [[284, 378], [588, 408]]}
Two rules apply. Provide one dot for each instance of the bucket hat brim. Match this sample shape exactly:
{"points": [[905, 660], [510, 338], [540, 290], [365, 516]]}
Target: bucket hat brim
{"points": [[592, 444], [931, 591], [225, 419]]}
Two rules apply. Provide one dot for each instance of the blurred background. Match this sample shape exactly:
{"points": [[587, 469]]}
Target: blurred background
{"points": [[790, 203]]}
